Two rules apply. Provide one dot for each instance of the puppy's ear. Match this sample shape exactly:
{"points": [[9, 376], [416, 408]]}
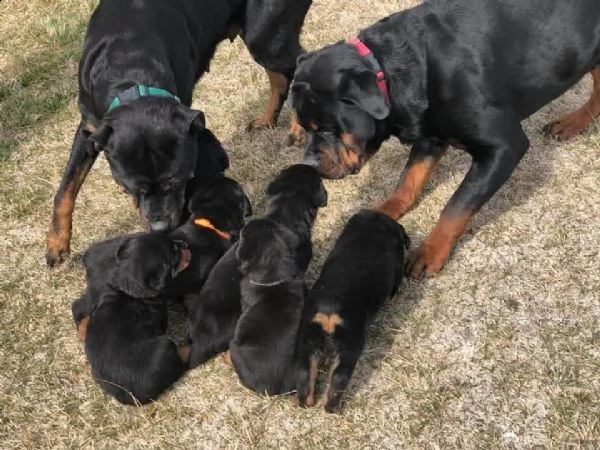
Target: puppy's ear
{"points": [[101, 136], [320, 200], [127, 277], [212, 156], [360, 89]]}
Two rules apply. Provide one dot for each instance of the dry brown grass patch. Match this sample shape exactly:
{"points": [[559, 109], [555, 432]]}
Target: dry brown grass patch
{"points": [[500, 350]]}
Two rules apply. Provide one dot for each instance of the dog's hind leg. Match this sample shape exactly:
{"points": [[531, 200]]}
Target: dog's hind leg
{"points": [[83, 156], [349, 348], [310, 344], [574, 123]]}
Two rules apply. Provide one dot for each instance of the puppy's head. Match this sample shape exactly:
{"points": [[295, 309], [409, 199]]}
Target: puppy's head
{"points": [[300, 179], [266, 252], [339, 104], [154, 147], [147, 263], [223, 202]]}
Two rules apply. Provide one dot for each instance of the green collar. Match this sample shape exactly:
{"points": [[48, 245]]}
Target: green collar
{"points": [[138, 91]]}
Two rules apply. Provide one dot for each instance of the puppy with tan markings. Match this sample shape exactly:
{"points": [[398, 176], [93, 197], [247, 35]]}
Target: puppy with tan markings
{"points": [[122, 316], [364, 268], [217, 214], [293, 198], [273, 254]]}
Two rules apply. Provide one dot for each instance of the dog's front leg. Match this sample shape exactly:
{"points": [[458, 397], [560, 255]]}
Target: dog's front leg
{"points": [[83, 156], [424, 157], [496, 153]]}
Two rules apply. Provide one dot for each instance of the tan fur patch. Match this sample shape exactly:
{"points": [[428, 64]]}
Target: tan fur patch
{"points": [[328, 322]]}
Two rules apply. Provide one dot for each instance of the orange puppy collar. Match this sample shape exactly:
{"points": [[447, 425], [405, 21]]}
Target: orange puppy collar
{"points": [[207, 224]]}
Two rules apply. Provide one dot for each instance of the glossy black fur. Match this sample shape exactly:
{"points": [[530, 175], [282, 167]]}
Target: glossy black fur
{"points": [[153, 144], [293, 198], [465, 72], [274, 252], [224, 203], [364, 268], [129, 353]]}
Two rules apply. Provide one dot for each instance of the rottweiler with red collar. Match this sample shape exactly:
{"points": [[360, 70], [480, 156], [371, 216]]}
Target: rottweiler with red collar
{"points": [[140, 63], [464, 73]]}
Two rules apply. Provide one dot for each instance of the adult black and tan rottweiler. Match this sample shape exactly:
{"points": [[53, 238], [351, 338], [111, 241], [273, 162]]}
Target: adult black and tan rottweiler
{"points": [[122, 316], [462, 73], [140, 62], [293, 198], [273, 254], [365, 268]]}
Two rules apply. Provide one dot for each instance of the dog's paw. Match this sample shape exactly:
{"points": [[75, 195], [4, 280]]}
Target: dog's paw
{"points": [[296, 135], [426, 261], [262, 123], [569, 126], [57, 252]]}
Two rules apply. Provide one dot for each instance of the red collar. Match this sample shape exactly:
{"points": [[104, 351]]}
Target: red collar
{"points": [[365, 52]]}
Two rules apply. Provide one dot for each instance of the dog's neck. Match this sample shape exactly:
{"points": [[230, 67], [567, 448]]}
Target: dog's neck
{"points": [[405, 70]]}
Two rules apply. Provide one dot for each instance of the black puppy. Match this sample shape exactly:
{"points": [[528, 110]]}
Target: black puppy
{"points": [[140, 62], [464, 73], [122, 316], [293, 198], [364, 268], [217, 211], [274, 252]]}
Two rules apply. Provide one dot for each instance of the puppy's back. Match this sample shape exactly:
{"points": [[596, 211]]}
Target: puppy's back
{"points": [[365, 266], [215, 311], [130, 356]]}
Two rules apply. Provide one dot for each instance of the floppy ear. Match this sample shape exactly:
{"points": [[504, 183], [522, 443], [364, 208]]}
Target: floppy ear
{"points": [[302, 96], [212, 157], [101, 136], [361, 90], [277, 185]]}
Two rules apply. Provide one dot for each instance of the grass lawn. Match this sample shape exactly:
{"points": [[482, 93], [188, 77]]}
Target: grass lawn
{"points": [[500, 350]]}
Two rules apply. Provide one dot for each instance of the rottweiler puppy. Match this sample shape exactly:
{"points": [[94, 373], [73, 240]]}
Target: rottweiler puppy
{"points": [[273, 254], [217, 213], [140, 62], [459, 73], [364, 269], [122, 316], [293, 198], [263, 348]]}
